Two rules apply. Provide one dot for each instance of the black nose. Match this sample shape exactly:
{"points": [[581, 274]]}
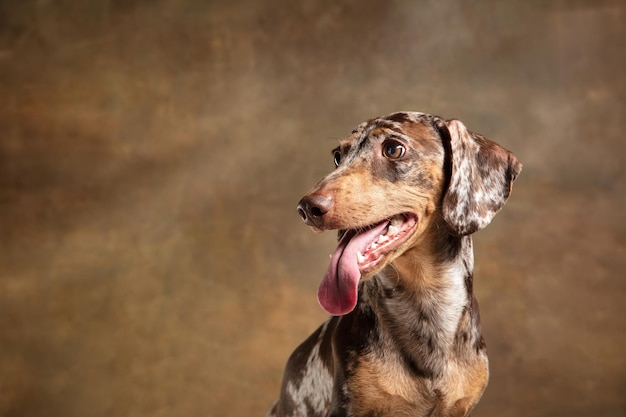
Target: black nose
{"points": [[313, 207]]}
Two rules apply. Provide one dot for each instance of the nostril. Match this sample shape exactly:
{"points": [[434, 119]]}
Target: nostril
{"points": [[318, 205], [317, 212], [302, 212]]}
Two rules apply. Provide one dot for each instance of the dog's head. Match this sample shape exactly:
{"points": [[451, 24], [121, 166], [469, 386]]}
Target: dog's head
{"points": [[393, 176]]}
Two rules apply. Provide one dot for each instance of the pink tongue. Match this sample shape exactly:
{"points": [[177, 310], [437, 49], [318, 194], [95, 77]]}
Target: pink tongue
{"points": [[338, 291]]}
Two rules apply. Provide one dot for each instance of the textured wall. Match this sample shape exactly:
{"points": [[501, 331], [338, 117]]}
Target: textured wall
{"points": [[152, 154]]}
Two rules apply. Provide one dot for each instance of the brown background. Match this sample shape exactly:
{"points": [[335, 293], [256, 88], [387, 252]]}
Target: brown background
{"points": [[152, 154]]}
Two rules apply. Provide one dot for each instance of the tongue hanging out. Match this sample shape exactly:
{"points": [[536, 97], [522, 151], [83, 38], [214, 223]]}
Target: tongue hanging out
{"points": [[357, 251], [338, 291]]}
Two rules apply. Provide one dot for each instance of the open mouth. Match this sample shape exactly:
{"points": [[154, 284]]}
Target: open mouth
{"points": [[359, 253]]}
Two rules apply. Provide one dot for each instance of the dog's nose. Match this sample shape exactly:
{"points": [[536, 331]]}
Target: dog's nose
{"points": [[313, 207]]}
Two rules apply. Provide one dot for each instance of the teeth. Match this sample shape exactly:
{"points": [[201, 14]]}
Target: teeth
{"points": [[396, 221], [360, 258], [392, 230]]}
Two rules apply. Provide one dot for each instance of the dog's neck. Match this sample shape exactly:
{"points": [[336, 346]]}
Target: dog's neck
{"points": [[427, 303]]}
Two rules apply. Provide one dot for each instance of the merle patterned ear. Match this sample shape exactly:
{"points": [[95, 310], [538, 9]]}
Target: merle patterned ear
{"points": [[481, 176]]}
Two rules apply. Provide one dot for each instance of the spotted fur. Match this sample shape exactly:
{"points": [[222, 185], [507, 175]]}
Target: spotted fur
{"points": [[482, 176], [413, 345]]}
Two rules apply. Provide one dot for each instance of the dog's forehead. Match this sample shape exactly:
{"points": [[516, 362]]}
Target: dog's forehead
{"points": [[411, 125]]}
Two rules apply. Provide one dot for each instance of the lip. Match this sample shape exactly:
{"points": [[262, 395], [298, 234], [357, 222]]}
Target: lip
{"points": [[399, 228]]}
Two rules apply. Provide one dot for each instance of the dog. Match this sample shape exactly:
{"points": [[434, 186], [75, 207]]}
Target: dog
{"points": [[408, 191]]}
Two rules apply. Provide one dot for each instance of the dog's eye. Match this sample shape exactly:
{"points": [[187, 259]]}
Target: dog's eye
{"points": [[393, 149], [337, 158]]}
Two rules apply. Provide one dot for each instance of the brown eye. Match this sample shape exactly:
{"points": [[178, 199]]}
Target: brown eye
{"points": [[393, 149], [337, 158]]}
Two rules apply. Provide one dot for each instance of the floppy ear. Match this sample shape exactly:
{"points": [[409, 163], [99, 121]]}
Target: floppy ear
{"points": [[481, 176]]}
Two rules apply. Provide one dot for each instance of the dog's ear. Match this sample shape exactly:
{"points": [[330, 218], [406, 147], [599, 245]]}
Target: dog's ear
{"points": [[481, 174]]}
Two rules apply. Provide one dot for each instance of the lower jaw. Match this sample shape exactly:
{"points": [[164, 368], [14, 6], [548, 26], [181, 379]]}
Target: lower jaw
{"points": [[372, 267]]}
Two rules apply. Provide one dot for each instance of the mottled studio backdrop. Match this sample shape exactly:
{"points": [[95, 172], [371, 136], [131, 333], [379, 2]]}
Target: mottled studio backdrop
{"points": [[152, 154]]}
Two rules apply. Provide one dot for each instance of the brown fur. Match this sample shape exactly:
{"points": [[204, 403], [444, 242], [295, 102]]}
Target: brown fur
{"points": [[412, 346]]}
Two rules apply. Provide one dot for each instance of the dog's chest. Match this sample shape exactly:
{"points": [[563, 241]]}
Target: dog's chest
{"points": [[381, 384]]}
